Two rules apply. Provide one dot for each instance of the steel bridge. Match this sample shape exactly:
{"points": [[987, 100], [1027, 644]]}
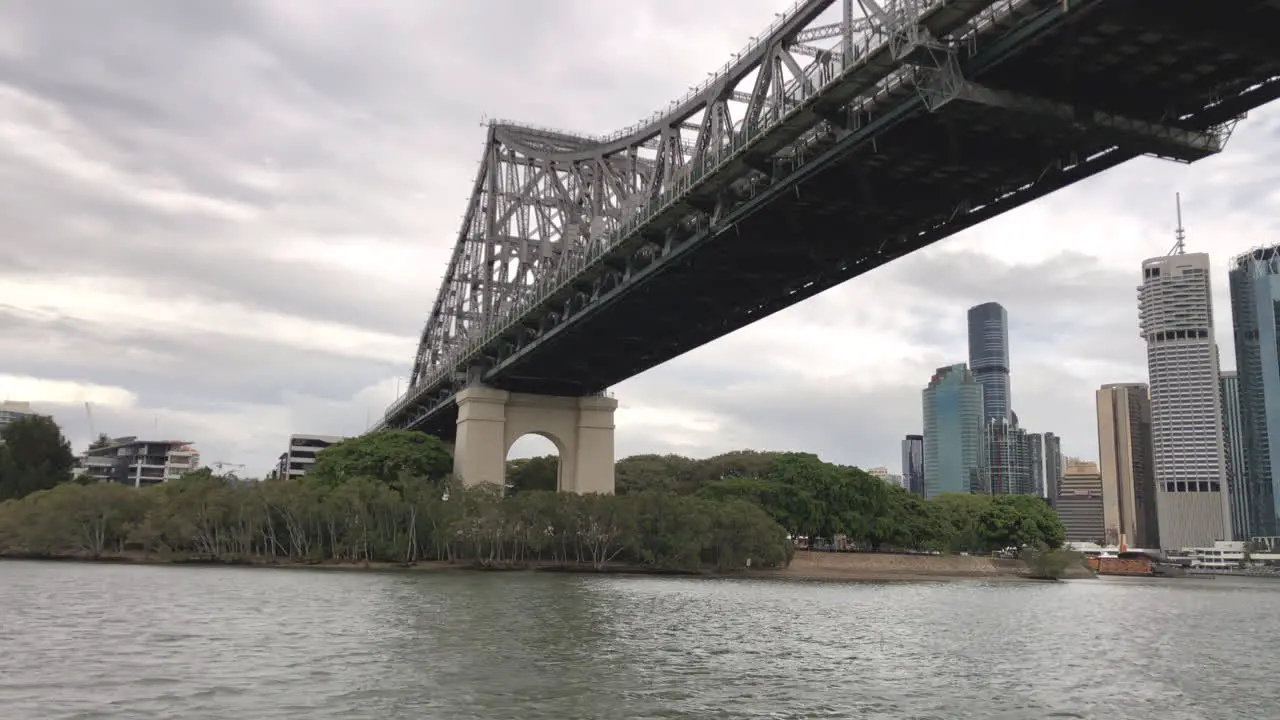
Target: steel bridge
{"points": [[817, 153]]}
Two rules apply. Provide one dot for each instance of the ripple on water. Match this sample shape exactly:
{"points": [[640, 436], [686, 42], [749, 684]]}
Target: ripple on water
{"points": [[90, 641]]}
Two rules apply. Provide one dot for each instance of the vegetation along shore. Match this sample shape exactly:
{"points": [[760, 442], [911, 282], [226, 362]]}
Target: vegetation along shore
{"points": [[386, 500]]}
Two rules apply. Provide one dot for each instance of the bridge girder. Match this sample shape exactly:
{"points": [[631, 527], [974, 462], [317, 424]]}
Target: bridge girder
{"points": [[544, 199], [558, 219]]}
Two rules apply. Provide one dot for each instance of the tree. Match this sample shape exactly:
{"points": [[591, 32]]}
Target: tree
{"points": [[387, 456], [642, 473], [35, 456], [537, 473], [103, 441], [389, 497]]}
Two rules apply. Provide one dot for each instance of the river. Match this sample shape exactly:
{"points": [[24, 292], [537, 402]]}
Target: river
{"points": [[118, 641]]}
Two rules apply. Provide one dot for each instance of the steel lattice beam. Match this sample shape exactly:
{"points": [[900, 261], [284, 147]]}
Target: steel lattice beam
{"points": [[543, 197], [557, 220], [1166, 140]]}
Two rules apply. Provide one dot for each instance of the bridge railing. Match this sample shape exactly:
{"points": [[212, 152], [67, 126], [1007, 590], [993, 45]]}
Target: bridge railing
{"points": [[742, 139]]}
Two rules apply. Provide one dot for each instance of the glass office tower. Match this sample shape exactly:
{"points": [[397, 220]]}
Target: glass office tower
{"points": [[953, 420], [1255, 292]]}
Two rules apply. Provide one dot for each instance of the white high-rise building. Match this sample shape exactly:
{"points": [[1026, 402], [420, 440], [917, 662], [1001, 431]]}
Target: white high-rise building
{"points": [[1175, 315]]}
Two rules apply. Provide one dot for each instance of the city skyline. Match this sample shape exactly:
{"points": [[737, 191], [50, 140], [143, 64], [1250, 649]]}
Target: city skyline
{"points": [[295, 229]]}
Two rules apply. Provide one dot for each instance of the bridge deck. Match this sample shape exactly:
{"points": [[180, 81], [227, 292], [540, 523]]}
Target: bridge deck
{"points": [[928, 176]]}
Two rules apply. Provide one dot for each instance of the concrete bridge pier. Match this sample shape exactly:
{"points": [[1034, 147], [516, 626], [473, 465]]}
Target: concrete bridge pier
{"points": [[491, 420]]}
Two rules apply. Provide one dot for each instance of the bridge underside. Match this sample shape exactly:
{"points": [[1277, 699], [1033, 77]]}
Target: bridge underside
{"points": [[1055, 100]]}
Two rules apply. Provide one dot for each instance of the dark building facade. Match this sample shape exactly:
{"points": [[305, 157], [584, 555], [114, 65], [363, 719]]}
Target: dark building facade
{"points": [[1233, 439], [1052, 467], [1035, 446], [913, 463]]}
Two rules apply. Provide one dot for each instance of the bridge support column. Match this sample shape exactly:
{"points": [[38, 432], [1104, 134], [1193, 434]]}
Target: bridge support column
{"points": [[490, 421]]}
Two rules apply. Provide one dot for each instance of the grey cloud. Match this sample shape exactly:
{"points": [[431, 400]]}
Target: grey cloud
{"points": [[194, 372], [1069, 300], [838, 422], [181, 256], [344, 120]]}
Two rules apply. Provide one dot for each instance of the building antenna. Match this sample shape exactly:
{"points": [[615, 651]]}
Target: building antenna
{"points": [[1180, 233]]}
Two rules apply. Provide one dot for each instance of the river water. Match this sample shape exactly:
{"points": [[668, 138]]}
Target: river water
{"points": [[113, 641]]}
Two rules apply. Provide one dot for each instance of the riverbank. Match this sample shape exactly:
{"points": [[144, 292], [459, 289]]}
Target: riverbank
{"points": [[806, 565], [884, 567]]}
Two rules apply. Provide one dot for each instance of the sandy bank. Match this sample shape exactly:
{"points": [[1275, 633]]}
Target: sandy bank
{"points": [[833, 566], [824, 566]]}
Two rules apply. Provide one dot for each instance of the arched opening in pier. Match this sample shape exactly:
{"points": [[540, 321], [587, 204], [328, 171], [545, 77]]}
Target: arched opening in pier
{"points": [[533, 463]]}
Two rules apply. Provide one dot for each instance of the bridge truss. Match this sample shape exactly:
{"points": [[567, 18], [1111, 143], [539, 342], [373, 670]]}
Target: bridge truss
{"points": [[543, 199], [557, 220]]}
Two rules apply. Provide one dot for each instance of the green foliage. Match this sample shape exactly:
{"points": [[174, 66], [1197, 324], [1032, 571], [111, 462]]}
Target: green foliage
{"points": [[539, 473], [387, 456], [201, 516], [811, 498], [35, 456], [388, 497], [644, 473], [1052, 563]]}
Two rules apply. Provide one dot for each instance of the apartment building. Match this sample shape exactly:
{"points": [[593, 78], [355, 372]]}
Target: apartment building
{"points": [[883, 473], [139, 463], [11, 410], [301, 455]]}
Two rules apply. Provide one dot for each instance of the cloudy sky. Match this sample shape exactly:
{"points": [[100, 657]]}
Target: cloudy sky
{"points": [[225, 222]]}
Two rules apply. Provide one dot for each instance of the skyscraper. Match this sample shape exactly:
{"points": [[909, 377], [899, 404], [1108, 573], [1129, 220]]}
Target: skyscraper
{"points": [[1008, 456], [953, 432], [1035, 445], [1080, 504], [913, 463], [989, 357], [1052, 467], [1175, 316], [1233, 439], [1255, 292], [1125, 463]]}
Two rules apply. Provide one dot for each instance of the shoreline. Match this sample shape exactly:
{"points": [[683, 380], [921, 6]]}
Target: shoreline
{"points": [[806, 566]]}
